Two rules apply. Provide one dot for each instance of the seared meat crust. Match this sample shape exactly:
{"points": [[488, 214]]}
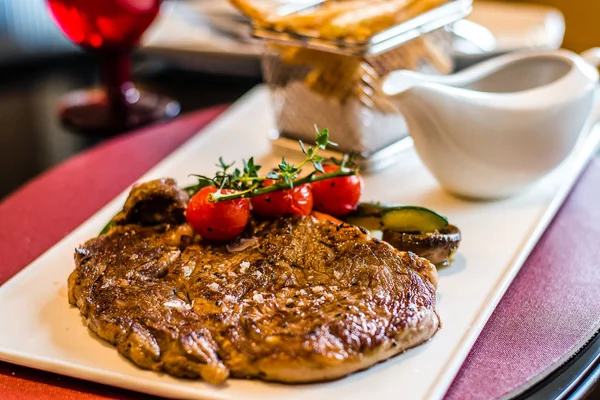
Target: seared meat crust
{"points": [[301, 300]]}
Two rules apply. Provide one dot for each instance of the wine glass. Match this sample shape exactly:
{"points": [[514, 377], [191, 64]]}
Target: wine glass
{"points": [[110, 29]]}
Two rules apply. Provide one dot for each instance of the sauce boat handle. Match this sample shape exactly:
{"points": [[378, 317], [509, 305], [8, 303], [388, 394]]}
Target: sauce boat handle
{"points": [[592, 56]]}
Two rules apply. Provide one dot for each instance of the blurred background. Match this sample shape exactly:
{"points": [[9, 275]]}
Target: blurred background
{"points": [[199, 26], [199, 53], [581, 16], [26, 29]]}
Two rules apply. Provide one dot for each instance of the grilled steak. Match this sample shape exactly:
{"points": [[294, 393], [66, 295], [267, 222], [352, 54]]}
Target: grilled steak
{"points": [[296, 300]]}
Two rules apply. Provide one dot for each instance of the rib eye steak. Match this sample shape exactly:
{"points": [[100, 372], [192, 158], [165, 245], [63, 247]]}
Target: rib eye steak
{"points": [[295, 300]]}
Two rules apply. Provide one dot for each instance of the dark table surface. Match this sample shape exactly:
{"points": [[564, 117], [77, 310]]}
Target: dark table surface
{"points": [[32, 139]]}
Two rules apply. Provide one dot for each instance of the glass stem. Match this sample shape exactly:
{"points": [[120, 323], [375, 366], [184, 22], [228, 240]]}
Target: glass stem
{"points": [[115, 73]]}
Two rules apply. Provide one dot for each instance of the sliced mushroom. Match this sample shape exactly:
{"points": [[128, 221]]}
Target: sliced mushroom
{"points": [[438, 246]]}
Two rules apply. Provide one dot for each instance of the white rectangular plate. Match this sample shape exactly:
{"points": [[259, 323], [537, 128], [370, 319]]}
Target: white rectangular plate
{"points": [[46, 333]]}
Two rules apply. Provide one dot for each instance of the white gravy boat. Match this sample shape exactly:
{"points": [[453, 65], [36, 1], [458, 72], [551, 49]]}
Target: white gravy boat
{"points": [[491, 130]]}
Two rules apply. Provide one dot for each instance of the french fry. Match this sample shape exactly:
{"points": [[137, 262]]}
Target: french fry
{"points": [[251, 12], [406, 56], [317, 18], [364, 22], [350, 19], [421, 6], [338, 79], [438, 58], [331, 75]]}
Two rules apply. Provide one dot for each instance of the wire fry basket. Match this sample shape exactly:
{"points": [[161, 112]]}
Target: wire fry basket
{"points": [[335, 84]]}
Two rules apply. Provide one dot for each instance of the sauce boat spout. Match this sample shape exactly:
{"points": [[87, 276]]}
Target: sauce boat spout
{"points": [[398, 82]]}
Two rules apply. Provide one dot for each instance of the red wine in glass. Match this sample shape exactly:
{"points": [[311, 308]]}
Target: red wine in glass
{"points": [[111, 29]]}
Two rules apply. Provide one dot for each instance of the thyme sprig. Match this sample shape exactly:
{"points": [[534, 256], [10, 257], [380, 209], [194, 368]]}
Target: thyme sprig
{"points": [[248, 183], [228, 178]]}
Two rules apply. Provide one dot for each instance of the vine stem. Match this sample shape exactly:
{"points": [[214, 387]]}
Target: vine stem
{"points": [[342, 172]]}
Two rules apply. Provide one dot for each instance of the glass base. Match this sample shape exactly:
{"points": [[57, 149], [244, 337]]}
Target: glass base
{"points": [[89, 112]]}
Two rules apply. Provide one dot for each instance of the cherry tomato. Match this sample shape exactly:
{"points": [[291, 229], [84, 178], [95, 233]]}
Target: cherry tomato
{"points": [[337, 196], [220, 221], [296, 201]]}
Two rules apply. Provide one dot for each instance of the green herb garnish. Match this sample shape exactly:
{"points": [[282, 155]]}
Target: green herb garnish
{"points": [[247, 183]]}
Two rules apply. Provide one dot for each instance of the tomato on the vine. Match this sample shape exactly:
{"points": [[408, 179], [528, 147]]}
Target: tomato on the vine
{"points": [[337, 196], [295, 201], [217, 221]]}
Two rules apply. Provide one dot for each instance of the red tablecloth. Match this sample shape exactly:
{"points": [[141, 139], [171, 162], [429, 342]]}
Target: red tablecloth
{"points": [[549, 309]]}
